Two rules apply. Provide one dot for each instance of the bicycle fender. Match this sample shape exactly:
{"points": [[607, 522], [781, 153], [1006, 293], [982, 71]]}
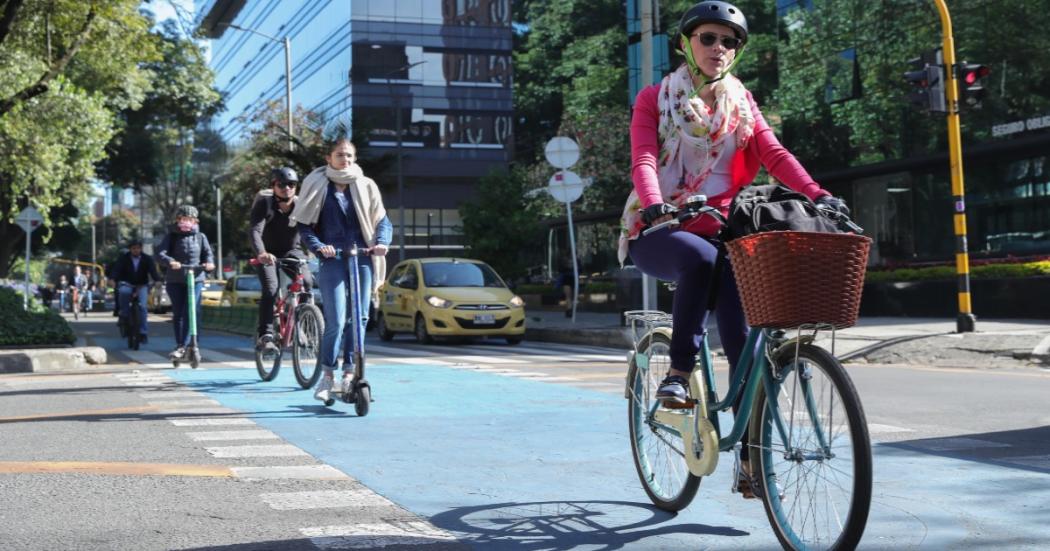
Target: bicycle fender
{"points": [[634, 359], [792, 343]]}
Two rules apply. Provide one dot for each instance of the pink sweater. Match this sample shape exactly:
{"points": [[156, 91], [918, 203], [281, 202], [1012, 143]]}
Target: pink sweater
{"points": [[763, 148]]}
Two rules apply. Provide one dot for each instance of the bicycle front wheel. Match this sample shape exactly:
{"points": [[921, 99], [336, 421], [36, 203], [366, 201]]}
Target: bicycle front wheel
{"points": [[659, 452], [306, 344], [814, 452]]}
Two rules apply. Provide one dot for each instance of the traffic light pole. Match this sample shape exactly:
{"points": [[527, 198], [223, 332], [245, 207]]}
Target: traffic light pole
{"points": [[965, 321]]}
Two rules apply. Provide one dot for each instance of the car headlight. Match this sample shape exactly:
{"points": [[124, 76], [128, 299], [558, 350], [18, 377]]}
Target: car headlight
{"points": [[438, 302], [517, 302]]}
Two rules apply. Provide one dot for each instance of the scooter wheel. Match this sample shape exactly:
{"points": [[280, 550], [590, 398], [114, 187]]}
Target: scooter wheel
{"points": [[364, 399], [329, 402], [175, 364]]}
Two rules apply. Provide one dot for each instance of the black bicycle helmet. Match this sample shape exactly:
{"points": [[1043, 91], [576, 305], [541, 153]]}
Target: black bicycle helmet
{"points": [[186, 210], [283, 175], [714, 11]]}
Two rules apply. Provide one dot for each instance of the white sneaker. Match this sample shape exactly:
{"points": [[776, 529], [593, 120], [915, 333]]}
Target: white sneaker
{"points": [[323, 392]]}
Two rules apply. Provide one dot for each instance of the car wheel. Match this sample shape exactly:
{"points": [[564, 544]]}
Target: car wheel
{"points": [[385, 333], [513, 340], [422, 335]]}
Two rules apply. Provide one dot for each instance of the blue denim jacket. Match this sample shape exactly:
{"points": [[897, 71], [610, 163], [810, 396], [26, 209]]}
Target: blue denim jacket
{"points": [[340, 228]]}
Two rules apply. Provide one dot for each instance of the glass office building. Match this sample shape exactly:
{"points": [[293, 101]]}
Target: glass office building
{"points": [[443, 66]]}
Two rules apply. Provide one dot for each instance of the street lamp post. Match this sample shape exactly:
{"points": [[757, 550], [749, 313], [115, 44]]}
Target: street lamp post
{"points": [[287, 72], [218, 218], [400, 177]]}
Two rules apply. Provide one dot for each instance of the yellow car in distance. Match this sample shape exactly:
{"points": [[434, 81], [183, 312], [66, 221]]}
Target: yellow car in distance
{"points": [[241, 290], [211, 295], [448, 297]]}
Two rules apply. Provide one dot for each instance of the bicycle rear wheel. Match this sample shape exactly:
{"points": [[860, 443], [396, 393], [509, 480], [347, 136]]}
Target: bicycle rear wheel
{"points": [[131, 327], [659, 453], [306, 344], [816, 472]]}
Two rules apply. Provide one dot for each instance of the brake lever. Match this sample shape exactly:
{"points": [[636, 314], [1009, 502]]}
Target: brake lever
{"points": [[843, 221]]}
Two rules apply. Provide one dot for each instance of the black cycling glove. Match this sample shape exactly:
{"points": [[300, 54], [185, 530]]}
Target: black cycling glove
{"points": [[831, 202], [654, 211]]}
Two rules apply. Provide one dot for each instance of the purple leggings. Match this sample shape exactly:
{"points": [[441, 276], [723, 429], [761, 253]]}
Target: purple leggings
{"points": [[689, 260]]}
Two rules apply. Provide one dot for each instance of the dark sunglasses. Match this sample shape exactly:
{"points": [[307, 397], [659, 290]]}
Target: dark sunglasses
{"points": [[285, 185], [709, 39]]}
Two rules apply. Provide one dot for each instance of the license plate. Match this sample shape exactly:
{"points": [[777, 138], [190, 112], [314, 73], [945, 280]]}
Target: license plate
{"points": [[484, 318]]}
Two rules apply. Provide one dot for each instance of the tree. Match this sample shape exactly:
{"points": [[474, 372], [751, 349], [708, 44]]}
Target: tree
{"points": [[501, 226], [67, 66]]}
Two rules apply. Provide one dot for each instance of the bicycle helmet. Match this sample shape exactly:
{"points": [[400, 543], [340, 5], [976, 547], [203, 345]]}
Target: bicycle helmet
{"points": [[714, 11], [283, 175], [187, 210]]}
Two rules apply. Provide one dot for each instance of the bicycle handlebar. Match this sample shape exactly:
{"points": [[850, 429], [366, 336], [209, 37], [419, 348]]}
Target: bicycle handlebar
{"points": [[696, 205], [289, 260]]}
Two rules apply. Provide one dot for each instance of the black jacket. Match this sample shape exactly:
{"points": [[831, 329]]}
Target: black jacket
{"points": [[269, 227], [186, 248], [124, 270]]}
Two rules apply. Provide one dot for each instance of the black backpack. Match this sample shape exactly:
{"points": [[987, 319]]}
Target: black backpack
{"points": [[775, 207]]}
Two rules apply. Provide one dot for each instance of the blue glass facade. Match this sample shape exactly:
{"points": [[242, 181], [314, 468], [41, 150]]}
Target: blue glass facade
{"points": [[444, 64]]}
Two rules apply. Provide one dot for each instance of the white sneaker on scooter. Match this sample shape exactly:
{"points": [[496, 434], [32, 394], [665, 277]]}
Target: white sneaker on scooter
{"points": [[323, 392]]}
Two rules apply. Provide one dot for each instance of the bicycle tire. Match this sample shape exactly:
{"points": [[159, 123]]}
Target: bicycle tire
{"points": [[268, 362], [799, 490], [306, 344], [658, 457]]}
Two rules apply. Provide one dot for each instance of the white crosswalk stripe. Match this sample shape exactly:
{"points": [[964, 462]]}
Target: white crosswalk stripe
{"points": [[325, 499], [224, 422], [257, 434], [377, 535], [298, 472], [276, 450]]}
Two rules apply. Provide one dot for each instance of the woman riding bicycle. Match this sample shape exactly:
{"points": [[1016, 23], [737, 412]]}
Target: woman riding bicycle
{"points": [[700, 132], [340, 208]]}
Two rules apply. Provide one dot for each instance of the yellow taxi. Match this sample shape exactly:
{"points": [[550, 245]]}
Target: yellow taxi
{"points": [[448, 297], [240, 290], [211, 294]]}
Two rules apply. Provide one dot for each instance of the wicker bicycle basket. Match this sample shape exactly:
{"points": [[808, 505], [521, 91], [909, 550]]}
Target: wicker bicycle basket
{"points": [[787, 278]]}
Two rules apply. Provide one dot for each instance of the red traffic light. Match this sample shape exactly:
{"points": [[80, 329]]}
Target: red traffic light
{"points": [[972, 75]]}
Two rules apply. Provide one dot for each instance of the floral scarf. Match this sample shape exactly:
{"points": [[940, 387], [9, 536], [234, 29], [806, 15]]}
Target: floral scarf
{"points": [[691, 137]]}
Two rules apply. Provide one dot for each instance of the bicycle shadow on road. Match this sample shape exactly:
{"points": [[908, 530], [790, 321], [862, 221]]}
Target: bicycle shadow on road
{"points": [[563, 525], [1025, 449]]}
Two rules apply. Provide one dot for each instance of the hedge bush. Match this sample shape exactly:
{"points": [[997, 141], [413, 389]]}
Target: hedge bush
{"points": [[988, 271], [38, 326]]}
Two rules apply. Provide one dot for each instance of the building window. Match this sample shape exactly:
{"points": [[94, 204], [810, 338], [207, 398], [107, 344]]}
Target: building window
{"points": [[429, 229]]}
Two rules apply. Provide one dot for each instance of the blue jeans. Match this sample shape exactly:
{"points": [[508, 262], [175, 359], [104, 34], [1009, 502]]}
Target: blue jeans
{"points": [[124, 299], [334, 281], [180, 318]]}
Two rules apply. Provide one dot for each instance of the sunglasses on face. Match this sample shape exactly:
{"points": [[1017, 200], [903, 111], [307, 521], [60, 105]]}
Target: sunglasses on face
{"points": [[285, 185], [709, 39]]}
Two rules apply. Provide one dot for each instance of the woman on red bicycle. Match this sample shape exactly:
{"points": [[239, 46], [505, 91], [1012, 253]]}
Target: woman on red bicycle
{"points": [[700, 132], [340, 208]]}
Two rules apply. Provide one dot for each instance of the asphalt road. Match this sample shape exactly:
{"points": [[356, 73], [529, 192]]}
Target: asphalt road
{"points": [[468, 445]]}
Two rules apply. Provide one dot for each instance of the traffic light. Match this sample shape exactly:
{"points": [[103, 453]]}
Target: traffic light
{"points": [[969, 77], [927, 76]]}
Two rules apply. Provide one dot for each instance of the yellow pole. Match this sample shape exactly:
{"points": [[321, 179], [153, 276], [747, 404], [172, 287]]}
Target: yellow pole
{"points": [[965, 321]]}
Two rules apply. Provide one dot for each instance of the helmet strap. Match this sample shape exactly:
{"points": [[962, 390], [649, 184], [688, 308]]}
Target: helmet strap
{"points": [[694, 68]]}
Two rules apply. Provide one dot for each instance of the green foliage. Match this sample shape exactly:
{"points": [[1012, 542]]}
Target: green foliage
{"points": [[38, 326], [986, 271], [499, 227]]}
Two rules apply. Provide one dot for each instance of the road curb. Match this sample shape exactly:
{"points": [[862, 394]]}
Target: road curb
{"points": [[42, 360], [611, 338]]}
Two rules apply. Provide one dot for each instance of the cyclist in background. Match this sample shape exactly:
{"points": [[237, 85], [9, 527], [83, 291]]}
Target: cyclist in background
{"points": [[80, 283], [699, 131], [62, 288], [132, 273], [273, 237]]}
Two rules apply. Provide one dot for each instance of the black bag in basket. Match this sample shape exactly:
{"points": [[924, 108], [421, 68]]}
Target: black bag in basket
{"points": [[775, 207]]}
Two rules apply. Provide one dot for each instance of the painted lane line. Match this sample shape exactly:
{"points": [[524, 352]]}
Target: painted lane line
{"points": [[378, 535], [211, 422], [184, 403], [326, 499], [487, 359], [414, 360], [232, 435], [877, 428], [172, 395], [114, 468], [300, 472], [277, 450], [527, 374], [197, 411]]}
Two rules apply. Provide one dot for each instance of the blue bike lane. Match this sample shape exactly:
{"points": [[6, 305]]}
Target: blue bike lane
{"points": [[507, 463]]}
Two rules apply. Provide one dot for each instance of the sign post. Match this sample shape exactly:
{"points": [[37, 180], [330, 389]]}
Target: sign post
{"points": [[29, 220], [566, 186]]}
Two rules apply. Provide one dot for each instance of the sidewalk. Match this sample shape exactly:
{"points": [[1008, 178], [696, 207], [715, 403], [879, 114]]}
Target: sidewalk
{"points": [[927, 341]]}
